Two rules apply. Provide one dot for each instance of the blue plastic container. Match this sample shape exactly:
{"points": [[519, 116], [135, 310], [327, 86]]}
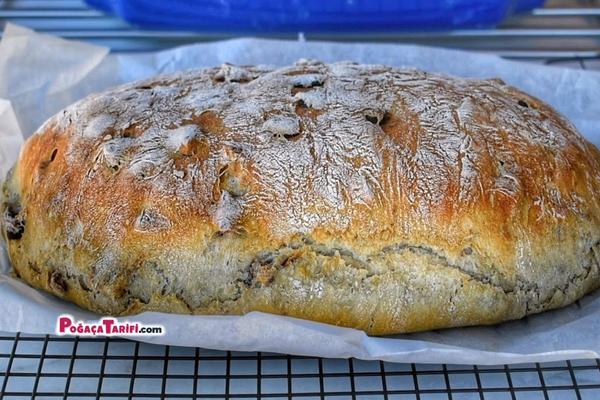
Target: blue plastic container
{"points": [[327, 16]]}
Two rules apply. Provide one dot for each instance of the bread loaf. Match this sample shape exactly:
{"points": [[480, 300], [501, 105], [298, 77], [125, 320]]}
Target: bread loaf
{"points": [[383, 199]]}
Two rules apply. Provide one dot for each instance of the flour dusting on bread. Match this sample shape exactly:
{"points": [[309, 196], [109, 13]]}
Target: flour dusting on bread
{"points": [[386, 199]]}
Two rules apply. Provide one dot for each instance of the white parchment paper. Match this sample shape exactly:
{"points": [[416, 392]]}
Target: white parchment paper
{"points": [[40, 74]]}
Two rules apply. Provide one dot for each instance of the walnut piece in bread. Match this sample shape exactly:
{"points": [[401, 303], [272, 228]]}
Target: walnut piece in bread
{"points": [[383, 199]]}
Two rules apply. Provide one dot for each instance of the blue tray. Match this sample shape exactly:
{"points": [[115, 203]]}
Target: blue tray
{"points": [[272, 16]]}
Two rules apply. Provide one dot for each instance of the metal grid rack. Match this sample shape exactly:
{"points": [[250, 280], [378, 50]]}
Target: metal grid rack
{"points": [[84, 368], [565, 33], [562, 29]]}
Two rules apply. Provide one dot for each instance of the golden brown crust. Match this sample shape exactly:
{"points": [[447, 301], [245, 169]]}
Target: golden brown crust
{"points": [[361, 195]]}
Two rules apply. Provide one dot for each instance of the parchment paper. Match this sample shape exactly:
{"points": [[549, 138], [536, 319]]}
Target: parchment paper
{"points": [[39, 75]]}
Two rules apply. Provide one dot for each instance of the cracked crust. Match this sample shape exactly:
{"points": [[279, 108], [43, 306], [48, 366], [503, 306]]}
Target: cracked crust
{"points": [[382, 199]]}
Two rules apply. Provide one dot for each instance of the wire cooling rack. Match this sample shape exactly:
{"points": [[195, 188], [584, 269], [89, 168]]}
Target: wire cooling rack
{"points": [[562, 29], [565, 33], [49, 367]]}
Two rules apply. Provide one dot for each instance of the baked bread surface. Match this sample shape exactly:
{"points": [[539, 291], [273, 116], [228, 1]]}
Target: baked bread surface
{"points": [[366, 196]]}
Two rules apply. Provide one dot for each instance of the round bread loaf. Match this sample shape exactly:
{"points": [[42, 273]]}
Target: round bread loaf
{"points": [[366, 196]]}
